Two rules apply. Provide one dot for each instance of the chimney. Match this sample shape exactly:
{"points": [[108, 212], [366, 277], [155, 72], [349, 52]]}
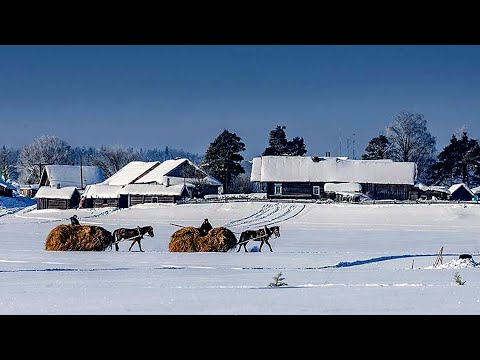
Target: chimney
{"points": [[327, 154], [167, 182]]}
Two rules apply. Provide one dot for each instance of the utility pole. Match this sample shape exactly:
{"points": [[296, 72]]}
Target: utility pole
{"points": [[81, 173], [353, 146]]}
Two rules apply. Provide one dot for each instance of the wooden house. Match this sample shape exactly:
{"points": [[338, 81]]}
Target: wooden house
{"points": [[303, 177], [151, 182], [6, 189], [49, 197], [461, 192]]}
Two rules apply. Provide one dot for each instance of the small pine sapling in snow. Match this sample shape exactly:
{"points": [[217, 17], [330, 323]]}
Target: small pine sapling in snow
{"points": [[277, 281], [458, 279]]}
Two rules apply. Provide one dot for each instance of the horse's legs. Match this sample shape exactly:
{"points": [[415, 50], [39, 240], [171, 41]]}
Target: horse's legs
{"points": [[261, 244], [116, 247], [268, 245], [245, 247], [140, 245], [133, 242]]}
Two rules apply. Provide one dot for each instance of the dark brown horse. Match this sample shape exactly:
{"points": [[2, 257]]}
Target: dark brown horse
{"points": [[262, 235], [135, 235]]}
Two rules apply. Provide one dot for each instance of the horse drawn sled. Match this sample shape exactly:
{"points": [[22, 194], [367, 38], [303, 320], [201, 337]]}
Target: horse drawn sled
{"points": [[263, 235]]}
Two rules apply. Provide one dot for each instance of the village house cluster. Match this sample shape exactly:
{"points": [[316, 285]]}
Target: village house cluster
{"points": [[277, 177]]}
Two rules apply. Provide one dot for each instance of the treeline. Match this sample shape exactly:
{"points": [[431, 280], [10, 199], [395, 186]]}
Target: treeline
{"points": [[406, 138], [24, 165]]}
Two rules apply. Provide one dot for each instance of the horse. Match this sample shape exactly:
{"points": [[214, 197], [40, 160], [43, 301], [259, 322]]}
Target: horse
{"points": [[260, 235], [135, 235]]}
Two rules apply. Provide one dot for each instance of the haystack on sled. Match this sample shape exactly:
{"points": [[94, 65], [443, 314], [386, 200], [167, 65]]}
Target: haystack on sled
{"points": [[189, 239], [78, 238]]}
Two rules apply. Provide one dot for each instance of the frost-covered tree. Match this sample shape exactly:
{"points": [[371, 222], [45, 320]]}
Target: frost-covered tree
{"points": [[412, 142], [44, 150], [241, 184], [222, 158], [377, 148], [279, 145], [8, 161], [458, 162], [113, 158]]}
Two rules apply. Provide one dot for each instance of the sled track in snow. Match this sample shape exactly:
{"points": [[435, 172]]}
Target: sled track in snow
{"points": [[268, 215]]}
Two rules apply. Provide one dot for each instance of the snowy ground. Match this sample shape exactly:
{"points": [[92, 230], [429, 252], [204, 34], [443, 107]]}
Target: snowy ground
{"points": [[335, 259]]}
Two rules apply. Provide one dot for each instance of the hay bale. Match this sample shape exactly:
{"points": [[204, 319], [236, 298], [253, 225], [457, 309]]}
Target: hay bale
{"points": [[78, 238], [188, 239]]}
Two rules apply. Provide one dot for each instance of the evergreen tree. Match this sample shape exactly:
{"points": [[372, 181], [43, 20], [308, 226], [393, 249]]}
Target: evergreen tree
{"points": [[222, 158], [278, 144], [377, 148], [458, 162], [296, 147]]}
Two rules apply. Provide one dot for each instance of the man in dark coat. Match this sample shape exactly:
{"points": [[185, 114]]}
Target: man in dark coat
{"points": [[74, 220], [205, 228]]}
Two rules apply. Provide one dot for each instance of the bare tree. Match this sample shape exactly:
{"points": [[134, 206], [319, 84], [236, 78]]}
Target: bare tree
{"points": [[44, 150], [111, 159], [8, 160], [195, 177], [411, 141]]}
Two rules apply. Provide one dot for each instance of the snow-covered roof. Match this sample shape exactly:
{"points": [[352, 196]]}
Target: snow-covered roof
{"points": [[455, 187], [151, 189], [424, 187], [69, 175], [161, 173], [51, 192], [476, 190], [30, 186], [7, 185], [130, 172], [342, 187], [332, 169], [103, 191]]}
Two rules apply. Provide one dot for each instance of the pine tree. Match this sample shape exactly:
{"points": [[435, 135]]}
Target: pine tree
{"points": [[296, 147], [458, 162], [277, 142], [377, 148], [279, 145], [222, 158]]}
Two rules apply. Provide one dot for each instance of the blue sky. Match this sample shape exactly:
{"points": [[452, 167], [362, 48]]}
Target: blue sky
{"points": [[184, 96]]}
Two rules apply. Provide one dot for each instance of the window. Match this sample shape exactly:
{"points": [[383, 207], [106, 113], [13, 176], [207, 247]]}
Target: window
{"points": [[105, 201], [154, 199], [277, 189], [316, 190]]}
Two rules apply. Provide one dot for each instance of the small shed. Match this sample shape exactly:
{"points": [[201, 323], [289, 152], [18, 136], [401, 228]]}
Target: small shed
{"points": [[432, 192], [6, 189], [29, 190], [460, 192], [57, 198]]}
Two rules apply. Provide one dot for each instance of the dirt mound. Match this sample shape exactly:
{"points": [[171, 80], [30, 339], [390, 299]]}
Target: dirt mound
{"points": [[78, 238], [188, 239]]}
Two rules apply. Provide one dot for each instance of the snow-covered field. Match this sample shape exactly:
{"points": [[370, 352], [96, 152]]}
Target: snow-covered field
{"points": [[334, 258]]}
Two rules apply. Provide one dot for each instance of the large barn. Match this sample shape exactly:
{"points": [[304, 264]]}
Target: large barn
{"points": [[304, 177]]}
